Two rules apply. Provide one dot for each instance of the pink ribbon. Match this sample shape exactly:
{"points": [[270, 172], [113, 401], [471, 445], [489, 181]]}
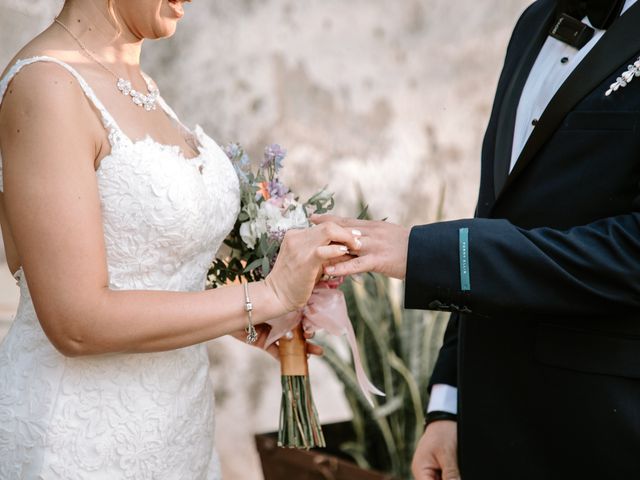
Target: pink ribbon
{"points": [[325, 310]]}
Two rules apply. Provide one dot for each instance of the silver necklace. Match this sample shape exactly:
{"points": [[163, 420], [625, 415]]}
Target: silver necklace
{"points": [[148, 102]]}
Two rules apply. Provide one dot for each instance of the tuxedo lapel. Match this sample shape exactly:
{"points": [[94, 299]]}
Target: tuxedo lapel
{"points": [[615, 48], [507, 116]]}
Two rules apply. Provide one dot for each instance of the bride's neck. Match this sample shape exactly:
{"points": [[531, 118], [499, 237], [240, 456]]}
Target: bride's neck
{"points": [[92, 23]]}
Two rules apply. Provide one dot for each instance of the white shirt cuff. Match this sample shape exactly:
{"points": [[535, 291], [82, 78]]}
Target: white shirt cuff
{"points": [[444, 398]]}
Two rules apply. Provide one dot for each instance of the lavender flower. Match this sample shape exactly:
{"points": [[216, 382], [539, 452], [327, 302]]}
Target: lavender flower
{"points": [[273, 157], [277, 189], [276, 234]]}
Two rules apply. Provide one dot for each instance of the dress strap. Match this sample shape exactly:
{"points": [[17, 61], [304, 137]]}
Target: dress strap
{"points": [[107, 120], [169, 111], [165, 106]]}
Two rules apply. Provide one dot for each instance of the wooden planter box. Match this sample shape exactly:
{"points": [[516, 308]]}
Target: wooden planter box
{"points": [[316, 464]]}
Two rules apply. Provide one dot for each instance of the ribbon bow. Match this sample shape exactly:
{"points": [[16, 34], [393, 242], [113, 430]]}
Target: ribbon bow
{"points": [[325, 310]]}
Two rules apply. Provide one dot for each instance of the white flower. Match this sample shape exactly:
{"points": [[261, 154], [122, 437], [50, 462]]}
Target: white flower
{"points": [[288, 201], [252, 230], [247, 233], [297, 218], [272, 218]]}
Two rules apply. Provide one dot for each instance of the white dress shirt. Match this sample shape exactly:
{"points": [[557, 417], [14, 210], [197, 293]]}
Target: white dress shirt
{"points": [[554, 64]]}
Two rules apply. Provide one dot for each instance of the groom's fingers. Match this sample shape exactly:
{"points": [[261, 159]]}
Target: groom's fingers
{"points": [[449, 463], [351, 267], [341, 259], [428, 474]]}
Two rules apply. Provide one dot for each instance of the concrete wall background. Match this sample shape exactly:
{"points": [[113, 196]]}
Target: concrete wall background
{"points": [[387, 98]]}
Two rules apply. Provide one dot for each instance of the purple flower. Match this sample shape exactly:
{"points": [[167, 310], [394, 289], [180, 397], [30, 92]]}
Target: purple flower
{"points": [[233, 150], [277, 189], [276, 235], [273, 157]]}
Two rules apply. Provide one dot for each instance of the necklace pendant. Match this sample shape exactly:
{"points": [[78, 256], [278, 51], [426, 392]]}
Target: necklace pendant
{"points": [[124, 86], [148, 102]]}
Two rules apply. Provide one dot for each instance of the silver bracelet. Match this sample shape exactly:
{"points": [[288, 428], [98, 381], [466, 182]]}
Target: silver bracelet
{"points": [[252, 335]]}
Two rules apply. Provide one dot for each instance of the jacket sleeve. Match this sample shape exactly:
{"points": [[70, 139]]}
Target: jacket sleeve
{"points": [[587, 270]]}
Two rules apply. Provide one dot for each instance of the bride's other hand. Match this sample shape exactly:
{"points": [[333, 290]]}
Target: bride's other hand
{"points": [[384, 247], [263, 332], [301, 260]]}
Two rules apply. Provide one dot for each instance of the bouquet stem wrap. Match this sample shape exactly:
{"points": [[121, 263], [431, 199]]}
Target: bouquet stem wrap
{"points": [[326, 310], [299, 423]]}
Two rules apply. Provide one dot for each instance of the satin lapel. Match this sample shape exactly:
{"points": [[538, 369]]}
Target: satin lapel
{"points": [[615, 48], [507, 116]]}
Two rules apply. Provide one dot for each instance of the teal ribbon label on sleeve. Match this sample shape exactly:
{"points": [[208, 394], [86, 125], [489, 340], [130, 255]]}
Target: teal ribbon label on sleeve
{"points": [[465, 278]]}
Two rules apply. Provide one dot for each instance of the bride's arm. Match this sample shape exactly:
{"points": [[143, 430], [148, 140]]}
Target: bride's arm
{"points": [[49, 139]]}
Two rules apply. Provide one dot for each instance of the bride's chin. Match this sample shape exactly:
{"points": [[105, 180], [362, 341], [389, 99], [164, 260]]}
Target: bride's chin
{"points": [[166, 31], [164, 28]]}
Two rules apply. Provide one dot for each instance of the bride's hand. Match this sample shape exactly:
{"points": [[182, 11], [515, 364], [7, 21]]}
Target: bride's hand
{"points": [[263, 332], [301, 259]]}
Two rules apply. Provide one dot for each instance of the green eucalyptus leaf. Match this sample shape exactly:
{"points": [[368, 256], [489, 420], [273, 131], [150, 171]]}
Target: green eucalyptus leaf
{"points": [[253, 265], [265, 266]]}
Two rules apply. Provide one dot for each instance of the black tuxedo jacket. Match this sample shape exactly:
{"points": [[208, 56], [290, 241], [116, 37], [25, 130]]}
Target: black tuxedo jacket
{"points": [[544, 283]]}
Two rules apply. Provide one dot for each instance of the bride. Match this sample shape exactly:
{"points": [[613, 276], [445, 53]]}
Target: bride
{"points": [[111, 212]]}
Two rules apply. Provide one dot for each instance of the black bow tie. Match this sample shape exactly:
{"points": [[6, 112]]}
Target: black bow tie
{"points": [[601, 13]]}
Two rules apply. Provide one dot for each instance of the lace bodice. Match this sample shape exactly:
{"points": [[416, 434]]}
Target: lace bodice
{"points": [[163, 218], [146, 416]]}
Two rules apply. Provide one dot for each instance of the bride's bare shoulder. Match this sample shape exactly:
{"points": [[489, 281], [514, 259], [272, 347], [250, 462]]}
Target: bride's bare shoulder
{"points": [[46, 44], [43, 97], [42, 79], [42, 84]]}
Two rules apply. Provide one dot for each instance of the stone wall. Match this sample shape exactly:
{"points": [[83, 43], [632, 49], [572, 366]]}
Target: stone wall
{"points": [[377, 98]]}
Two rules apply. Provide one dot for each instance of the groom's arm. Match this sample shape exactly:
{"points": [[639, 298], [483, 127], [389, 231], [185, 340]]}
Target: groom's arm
{"points": [[492, 267]]}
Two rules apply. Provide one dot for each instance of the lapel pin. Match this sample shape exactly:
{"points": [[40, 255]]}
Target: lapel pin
{"points": [[624, 79]]}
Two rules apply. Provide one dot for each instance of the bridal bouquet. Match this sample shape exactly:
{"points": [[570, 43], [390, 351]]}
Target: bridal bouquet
{"points": [[268, 210]]}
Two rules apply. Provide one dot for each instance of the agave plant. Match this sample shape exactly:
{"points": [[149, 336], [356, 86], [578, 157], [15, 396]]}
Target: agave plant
{"points": [[398, 349]]}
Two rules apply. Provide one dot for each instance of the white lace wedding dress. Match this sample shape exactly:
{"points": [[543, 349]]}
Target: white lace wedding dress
{"points": [[124, 416]]}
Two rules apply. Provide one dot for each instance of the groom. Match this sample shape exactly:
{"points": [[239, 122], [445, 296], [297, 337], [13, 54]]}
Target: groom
{"points": [[539, 374]]}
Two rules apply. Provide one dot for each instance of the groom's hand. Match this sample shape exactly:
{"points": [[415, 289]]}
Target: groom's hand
{"points": [[436, 453], [383, 247]]}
